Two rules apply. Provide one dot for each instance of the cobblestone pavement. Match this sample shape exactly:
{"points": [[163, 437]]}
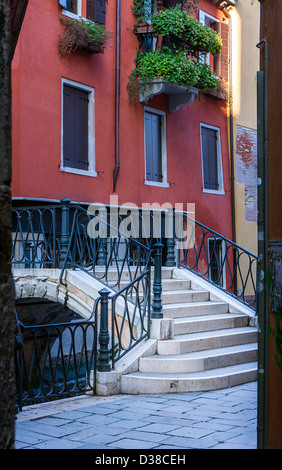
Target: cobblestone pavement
{"points": [[221, 419]]}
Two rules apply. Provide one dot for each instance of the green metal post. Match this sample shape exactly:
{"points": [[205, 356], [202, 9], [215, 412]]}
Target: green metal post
{"points": [[104, 353], [157, 311]]}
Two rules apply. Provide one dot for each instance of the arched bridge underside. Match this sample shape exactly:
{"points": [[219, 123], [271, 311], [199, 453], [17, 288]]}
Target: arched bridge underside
{"points": [[78, 291]]}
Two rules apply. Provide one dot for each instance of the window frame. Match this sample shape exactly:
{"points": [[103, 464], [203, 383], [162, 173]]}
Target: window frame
{"points": [[162, 114], [70, 14], [91, 129], [206, 58], [220, 190]]}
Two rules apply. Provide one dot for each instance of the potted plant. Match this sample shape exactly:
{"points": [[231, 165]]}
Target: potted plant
{"points": [[82, 34], [171, 67], [177, 62], [181, 30]]}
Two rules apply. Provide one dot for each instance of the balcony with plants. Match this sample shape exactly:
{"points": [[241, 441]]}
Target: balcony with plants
{"points": [[171, 57], [82, 35]]}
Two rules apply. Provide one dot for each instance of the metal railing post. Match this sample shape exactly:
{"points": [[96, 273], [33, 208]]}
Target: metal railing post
{"points": [[170, 257], [104, 352], [65, 232], [157, 310]]}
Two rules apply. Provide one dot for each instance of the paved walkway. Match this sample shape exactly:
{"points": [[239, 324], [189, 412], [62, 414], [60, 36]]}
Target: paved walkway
{"points": [[222, 419]]}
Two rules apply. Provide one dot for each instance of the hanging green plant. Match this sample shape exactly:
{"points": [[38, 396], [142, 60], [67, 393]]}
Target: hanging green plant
{"points": [[143, 9], [82, 35], [177, 24]]}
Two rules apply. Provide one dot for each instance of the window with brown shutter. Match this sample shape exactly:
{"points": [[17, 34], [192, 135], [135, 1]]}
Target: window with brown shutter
{"points": [[75, 128], [211, 159], [153, 147], [96, 10]]}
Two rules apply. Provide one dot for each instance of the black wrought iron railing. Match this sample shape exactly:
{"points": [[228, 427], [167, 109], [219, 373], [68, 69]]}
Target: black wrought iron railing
{"points": [[217, 259], [36, 234], [104, 251], [123, 265], [55, 361]]}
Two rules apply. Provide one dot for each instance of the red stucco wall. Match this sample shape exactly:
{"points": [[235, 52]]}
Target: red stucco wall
{"points": [[37, 71]]}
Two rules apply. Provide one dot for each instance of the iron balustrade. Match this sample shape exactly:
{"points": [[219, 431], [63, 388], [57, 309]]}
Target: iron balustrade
{"points": [[104, 251], [36, 237], [56, 361], [123, 265], [217, 259], [70, 237], [130, 316]]}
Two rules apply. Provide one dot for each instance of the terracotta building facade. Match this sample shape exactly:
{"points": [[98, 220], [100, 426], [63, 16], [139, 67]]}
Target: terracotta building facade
{"points": [[77, 134]]}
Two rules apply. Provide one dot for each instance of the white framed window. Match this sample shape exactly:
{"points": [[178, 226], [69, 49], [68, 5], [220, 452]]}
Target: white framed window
{"points": [[211, 159], [77, 128], [155, 147], [209, 21], [150, 7], [94, 10]]}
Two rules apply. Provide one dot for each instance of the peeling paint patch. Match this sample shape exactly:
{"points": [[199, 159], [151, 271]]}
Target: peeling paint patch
{"points": [[246, 168]]}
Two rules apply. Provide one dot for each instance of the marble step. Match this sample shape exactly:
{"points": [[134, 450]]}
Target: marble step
{"points": [[199, 360], [169, 284], [181, 344], [209, 323], [214, 379], [184, 296], [179, 296], [188, 309], [126, 275]]}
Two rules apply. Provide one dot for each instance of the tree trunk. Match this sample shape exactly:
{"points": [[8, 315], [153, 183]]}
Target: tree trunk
{"points": [[7, 318]]}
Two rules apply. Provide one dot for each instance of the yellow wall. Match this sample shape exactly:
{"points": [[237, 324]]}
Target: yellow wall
{"points": [[245, 64]]}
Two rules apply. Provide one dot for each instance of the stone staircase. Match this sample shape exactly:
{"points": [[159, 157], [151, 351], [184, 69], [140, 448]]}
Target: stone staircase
{"points": [[211, 347]]}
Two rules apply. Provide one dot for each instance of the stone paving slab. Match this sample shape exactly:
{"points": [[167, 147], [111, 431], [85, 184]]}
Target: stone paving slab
{"points": [[222, 419]]}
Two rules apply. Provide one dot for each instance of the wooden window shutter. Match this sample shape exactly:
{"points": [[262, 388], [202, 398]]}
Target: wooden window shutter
{"points": [[100, 11], [222, 60], [157, 148], [153, 147], [217, 58], [96, 10], [69, 126], [210, 158], [205, 153], [213, 164], [90, 9], [148, 147], [75, 128], [81, 129]]}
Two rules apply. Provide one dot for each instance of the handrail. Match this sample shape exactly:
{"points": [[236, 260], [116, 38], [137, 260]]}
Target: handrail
{"points": [[97, 256], [220, 261]]}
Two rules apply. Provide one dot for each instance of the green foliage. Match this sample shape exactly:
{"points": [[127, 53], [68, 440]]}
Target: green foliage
{"points": [[177, 61], [138, 8], [178, 24], [78, 33], [172, 66]]}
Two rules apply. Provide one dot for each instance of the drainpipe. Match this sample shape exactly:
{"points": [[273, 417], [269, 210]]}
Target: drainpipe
{"points": [[231, 124], [231, 132], [117, 97]]}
